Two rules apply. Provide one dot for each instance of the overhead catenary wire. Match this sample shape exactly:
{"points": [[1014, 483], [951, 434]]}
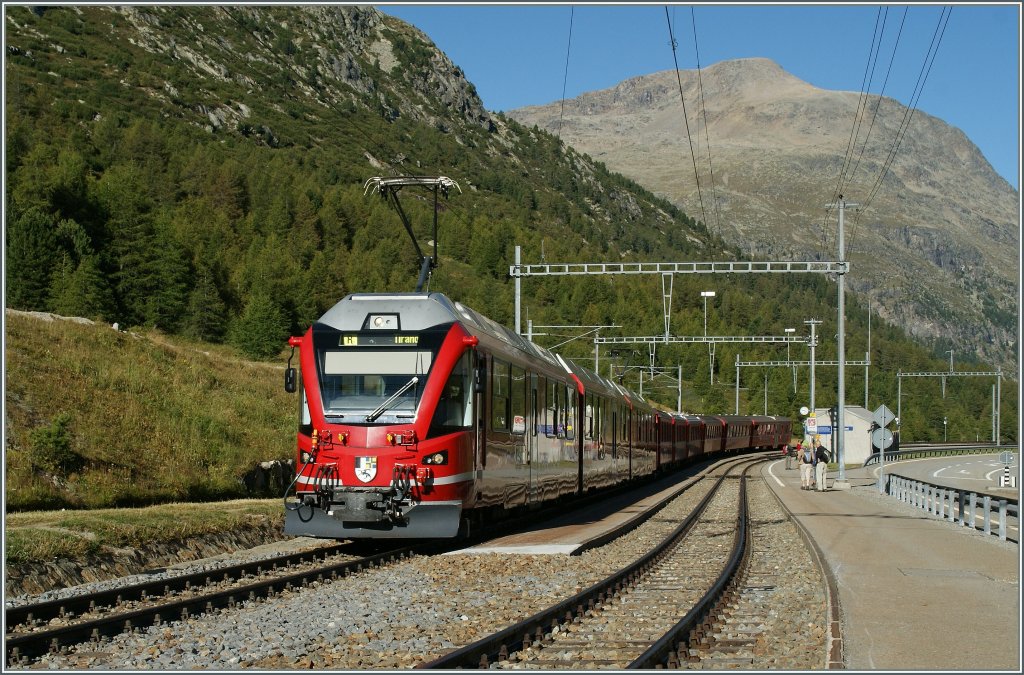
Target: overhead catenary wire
{"points": [[707, 132], [854, 130], [862, 104], [922, 78], [679, 82], [565, 78], [874, 115]]}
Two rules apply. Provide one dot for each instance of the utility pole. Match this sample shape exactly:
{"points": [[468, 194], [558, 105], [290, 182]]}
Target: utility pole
{"points": [[679, 383], [766, 391], [711, 345], [789, 357], [841, 356], [518, 292], [867, 358], [813, 343]]}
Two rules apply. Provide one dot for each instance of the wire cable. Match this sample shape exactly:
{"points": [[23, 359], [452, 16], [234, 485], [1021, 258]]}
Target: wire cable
{"points": [[693, 156], [565, 78], [862, 104], [922, 78], [850, 144], [874, 116], [707, 133]]}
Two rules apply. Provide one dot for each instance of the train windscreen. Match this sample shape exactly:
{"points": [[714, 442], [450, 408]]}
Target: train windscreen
{"points": [[373, 378]]}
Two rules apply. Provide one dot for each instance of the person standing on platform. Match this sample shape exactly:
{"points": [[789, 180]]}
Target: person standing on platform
{"points": [[806, 467], [821, 459]]}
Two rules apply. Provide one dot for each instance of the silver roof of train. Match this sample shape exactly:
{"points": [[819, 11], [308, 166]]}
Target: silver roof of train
{"points": [[419, 311]]}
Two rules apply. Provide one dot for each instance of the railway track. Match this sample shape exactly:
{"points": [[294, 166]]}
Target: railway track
{"points": [[51, 626], [34, 629], [632, 618], [400, 615]]}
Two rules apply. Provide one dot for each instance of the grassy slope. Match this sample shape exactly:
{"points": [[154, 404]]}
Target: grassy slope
{"points": [[151, 419], [45, 535]]}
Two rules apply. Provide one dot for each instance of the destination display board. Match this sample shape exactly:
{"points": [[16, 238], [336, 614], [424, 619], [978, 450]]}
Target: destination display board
{"points": [[378, 340]]}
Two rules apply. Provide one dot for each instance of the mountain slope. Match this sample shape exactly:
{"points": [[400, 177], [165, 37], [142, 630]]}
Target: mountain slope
{"points": [[937, 249], [201, 171]]}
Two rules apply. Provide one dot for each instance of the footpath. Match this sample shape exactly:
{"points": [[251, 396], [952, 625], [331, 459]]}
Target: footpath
{"points": [[915, 593]]}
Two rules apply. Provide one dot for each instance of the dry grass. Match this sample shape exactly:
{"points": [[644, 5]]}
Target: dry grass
{"points": [[153, 420], [45, 535]]}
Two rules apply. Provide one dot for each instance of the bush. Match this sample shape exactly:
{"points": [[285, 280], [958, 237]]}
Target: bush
{"points": [[51, 447]]}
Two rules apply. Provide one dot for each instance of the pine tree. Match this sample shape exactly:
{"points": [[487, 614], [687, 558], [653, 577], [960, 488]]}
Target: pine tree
{"points": [[169, 270], [262, 329], [206, 315], [81, 290], [30, 258]]}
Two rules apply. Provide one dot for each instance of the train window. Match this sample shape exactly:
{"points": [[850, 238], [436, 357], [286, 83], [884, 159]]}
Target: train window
{"points": [[499, 395], [554, 412], [454, 410], [305, 423], [518, 400], [355, 382]]}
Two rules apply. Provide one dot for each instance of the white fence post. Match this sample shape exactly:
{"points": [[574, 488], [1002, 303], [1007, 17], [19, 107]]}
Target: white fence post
{"points": [[986, 507]]}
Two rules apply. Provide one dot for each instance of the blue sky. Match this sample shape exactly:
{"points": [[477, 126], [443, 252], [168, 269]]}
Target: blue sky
{"points": [[516, 54]]}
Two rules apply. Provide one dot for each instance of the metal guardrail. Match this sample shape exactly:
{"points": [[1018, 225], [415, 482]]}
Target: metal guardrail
{"points": [[937, 451], [954, 504]]}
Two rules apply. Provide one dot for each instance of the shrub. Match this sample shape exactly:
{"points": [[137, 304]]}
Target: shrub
{"points": [[51, 447]]}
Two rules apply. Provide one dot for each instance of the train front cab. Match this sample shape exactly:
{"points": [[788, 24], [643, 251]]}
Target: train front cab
{"points": [[386, 440]]}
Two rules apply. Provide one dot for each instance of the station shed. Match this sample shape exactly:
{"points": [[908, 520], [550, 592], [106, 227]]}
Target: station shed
{"points": [[858, 433]]}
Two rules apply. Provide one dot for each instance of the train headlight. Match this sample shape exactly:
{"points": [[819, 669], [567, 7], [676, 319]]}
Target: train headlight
{"points": [[436, 458]]}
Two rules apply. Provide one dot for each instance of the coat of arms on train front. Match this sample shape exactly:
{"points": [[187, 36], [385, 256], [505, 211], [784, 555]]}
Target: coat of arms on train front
{"points": [[366, 468]]}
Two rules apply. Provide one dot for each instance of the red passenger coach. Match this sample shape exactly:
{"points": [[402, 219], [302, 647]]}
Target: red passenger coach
{"points": [[419, 417]]}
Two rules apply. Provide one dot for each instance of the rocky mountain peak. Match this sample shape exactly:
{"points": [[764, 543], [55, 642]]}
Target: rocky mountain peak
{"points": [[937, 244]]}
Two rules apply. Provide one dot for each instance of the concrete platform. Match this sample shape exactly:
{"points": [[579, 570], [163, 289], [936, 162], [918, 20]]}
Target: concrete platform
{"points": [[915, 593]]}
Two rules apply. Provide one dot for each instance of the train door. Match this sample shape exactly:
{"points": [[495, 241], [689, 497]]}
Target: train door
{"points": [[631, 440], [518, 388], [615, 435], [479, 398], [532, 413]]}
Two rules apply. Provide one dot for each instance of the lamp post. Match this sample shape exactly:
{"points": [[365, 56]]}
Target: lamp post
{"points": [[944, 429], [711, 357]]}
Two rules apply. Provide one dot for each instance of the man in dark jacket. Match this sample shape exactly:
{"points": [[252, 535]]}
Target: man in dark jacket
{"points": [[821, 459]]}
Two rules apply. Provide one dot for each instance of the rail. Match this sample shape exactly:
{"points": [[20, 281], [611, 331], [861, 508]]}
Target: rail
{"points": [[955, 505], [937, 451]]}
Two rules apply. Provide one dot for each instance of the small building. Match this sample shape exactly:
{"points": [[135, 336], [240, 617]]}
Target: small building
{"points": [[857, 438]]}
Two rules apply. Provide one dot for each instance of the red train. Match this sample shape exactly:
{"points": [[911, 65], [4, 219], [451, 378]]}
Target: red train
{"points": [[420, 417]]}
